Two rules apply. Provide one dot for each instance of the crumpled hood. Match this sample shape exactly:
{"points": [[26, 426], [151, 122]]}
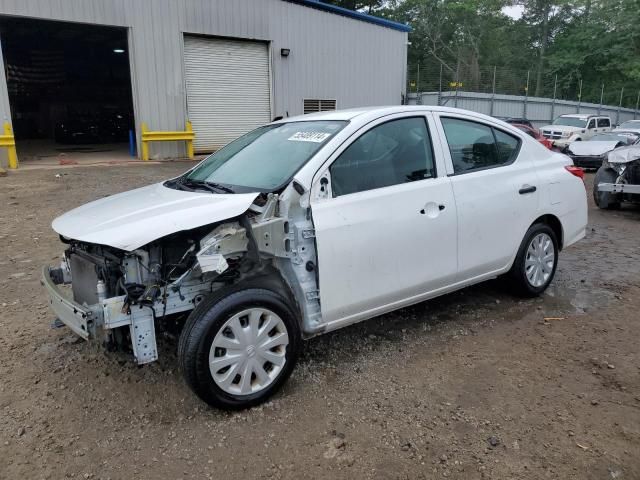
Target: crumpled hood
{"points": [[592, 148], [624, 154], [132, 219]]}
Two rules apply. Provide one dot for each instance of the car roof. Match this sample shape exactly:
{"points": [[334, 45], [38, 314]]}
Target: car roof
{"points": [[581, 115], [368, 113]]}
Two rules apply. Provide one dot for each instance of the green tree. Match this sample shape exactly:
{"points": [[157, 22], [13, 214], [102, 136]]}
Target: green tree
{"points": [[368, 6]]}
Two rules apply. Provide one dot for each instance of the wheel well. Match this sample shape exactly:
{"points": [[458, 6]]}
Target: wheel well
{"points": [[554, 223], [266, 277]]}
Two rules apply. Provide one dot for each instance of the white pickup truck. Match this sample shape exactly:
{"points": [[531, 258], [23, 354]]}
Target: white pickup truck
{"points": [[575, 127]]}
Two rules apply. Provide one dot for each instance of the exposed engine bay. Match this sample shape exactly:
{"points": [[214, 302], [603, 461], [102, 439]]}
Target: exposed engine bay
{"points": [[122, 296], [618, 180]]}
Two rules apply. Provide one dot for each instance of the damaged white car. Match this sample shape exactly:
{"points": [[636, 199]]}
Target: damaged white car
{"points": [[592, 152], [307, 225], [618, 179]]}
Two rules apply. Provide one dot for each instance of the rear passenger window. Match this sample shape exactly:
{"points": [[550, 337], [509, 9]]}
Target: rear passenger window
{"points": [[603, 122], [507, 146], [392, 153], [475, 146]]}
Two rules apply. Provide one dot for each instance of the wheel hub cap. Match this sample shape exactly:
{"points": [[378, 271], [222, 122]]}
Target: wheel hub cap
{"points": [[248, 352], [540, 260]]}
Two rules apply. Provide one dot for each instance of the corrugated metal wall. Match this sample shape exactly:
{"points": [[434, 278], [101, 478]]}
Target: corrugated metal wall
{"points": [[540, 111], [332, 56]]}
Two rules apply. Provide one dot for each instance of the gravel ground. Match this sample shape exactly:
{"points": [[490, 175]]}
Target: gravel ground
{"points": [[476, 384]]}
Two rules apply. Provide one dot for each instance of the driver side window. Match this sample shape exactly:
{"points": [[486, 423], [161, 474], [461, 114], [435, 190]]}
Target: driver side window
{"points": [[395, 152], [592, 123]]}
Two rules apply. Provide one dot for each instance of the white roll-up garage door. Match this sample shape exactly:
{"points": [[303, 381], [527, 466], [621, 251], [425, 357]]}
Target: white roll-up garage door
{"points": [[228, 90]]}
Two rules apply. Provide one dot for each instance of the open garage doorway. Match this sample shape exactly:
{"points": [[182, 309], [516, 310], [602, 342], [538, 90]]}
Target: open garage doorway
{"points": [[69, 90]]}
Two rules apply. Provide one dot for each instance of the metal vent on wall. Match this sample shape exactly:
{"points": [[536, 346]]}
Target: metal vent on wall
{"points": [[317, 105]]}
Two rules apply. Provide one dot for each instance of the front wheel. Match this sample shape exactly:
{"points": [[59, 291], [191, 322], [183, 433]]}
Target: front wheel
{"points": [[605, 200], [536, 261], [238, 350]]}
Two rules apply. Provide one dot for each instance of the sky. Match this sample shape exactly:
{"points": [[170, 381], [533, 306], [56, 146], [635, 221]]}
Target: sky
{"points": [[514, 11]]}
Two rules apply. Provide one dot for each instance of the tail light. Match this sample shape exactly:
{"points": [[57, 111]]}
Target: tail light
{"points": [[577, 171]]}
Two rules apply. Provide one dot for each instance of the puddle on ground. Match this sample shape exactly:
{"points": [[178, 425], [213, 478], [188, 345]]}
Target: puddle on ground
{"points": [[577, 300]]}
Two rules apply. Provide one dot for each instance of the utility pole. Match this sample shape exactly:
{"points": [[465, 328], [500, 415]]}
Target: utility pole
{"points": [[601, 98], [455, 100], [619, 106], [418, 93], [493, 91], [440, 88], [553, 102], [579, 95], [526, 96], [635, 112]]}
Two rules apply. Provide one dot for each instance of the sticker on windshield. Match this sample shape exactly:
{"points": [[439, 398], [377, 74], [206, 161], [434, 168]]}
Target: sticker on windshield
{"points": [[315, 137]]}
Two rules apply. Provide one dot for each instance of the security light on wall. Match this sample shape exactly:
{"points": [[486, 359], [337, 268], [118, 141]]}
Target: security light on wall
{"points": [[118, 50], [285, 52]]}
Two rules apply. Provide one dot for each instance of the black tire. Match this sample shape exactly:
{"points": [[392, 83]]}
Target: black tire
{"points": [[519, 282], [206, 321], [605, 200]]}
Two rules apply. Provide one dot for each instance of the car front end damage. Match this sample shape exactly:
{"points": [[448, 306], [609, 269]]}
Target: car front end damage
{"points": [[591, 154], [623, 165], [121, 297]]}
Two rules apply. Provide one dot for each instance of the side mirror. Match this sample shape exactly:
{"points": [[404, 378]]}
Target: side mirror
{"points": [[321, 190]]}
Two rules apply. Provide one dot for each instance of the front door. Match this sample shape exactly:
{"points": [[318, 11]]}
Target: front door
{"points": [[386, 231]]}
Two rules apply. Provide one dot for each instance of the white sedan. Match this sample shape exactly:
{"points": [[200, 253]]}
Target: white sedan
{"points": [[307, 225]]}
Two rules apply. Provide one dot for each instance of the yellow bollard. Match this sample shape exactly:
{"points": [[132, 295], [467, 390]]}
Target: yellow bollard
{"points": [[190, 153], [164, 136], [7, 140], [145, 143]]}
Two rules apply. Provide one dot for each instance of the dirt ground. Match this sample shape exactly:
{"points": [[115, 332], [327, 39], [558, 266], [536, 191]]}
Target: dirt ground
{"points": [[476, 384]]}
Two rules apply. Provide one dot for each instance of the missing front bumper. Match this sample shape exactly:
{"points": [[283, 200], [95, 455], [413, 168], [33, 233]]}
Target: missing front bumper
{"points": [[80, 319], [87, 321], [619, 188]]}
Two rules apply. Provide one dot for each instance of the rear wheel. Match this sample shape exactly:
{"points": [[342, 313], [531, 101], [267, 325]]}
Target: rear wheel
{"points": [[605, 200], [536, 261], [237, 351]]}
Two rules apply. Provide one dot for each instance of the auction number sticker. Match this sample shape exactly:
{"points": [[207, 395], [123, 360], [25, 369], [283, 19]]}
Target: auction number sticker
{"points": [[315, 137]]}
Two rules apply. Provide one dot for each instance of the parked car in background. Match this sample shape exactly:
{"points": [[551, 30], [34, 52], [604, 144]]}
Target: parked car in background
{"points": [[519, 121], [534, 133], [307, 225], [101, 127], [593, 151], [618, 179], [629, 126], [574, 128]]}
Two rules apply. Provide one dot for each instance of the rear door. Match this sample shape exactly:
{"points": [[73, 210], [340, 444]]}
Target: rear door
{"points": [[604, 124], [496, 192], [386, 222]]}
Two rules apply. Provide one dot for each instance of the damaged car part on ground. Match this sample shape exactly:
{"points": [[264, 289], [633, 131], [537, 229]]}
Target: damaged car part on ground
{"points": [[308, 225], [618, 179]]}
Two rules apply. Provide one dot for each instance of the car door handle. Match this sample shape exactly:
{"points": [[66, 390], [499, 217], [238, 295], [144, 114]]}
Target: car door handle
{"points": [[527, 189], [429, 209]]}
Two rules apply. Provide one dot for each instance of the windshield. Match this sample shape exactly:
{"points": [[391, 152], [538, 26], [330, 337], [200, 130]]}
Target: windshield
{"points": [[631, 124], [266, 157], [570, 122], [614, 137]]}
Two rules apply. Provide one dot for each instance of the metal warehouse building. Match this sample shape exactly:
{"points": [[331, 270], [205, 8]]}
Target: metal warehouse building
{"points": [[81, 73]]}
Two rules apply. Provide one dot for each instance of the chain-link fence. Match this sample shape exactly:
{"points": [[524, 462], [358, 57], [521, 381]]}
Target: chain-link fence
{"points": [[499, 80]]}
